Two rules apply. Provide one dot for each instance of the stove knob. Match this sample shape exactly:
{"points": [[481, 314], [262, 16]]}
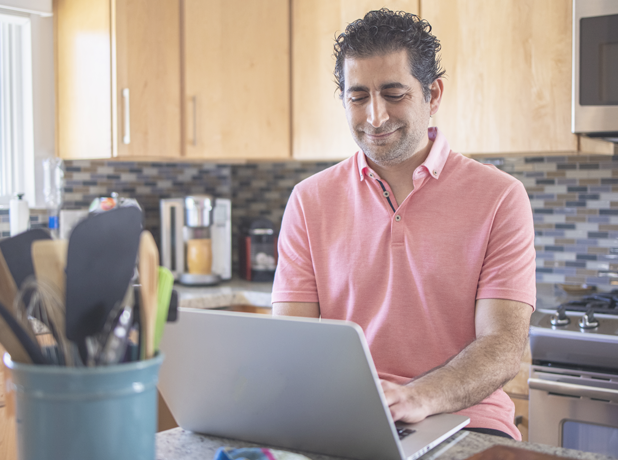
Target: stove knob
{"points": [[560, 318], [588, 321], [557, 321]]}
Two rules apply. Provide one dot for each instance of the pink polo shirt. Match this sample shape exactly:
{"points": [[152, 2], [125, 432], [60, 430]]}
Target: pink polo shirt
{"points": [[410, 278]]}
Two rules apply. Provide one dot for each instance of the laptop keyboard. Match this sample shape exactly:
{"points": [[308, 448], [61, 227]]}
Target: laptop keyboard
{"points": [[403, 432]]}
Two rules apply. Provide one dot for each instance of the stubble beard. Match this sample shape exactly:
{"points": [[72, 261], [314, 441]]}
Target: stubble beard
{"points": [[389, 154]]}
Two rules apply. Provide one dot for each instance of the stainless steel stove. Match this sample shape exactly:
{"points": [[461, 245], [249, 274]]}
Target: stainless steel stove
{"points": [[574, 375]]}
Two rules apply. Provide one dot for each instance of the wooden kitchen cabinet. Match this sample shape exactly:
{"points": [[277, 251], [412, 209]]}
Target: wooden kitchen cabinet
{"points": [[319, 126], [236, 79], [508, 77], [117, 78]]}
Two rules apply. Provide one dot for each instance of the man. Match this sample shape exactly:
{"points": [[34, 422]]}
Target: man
{"points": [[430, 252]]}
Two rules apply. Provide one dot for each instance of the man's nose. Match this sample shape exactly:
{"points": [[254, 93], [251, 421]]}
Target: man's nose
{"points": [[377, 113]]}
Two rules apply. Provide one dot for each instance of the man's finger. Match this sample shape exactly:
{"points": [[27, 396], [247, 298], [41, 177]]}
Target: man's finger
{"points": [[390, 392]]}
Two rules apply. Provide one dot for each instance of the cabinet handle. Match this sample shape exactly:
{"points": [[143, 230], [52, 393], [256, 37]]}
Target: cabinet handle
{"points": [[194, 99], [127, 115]]}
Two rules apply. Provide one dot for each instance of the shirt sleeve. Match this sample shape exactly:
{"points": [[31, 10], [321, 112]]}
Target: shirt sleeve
{"points": [[509, 267], [295, 276]]}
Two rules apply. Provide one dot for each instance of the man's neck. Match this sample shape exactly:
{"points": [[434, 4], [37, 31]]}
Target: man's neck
{"points": [[400, 177]]}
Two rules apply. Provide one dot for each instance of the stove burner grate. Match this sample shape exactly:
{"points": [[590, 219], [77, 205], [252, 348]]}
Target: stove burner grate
{"points": [[605, 303]]}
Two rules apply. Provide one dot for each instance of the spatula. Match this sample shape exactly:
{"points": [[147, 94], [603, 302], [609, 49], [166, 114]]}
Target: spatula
{"points": [[148, 267], [100, 265], [164, 296], [17, 252], [49, 258], [8, 293]]}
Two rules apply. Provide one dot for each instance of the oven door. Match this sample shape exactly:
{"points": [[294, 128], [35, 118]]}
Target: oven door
{"points": [[574, 409]]}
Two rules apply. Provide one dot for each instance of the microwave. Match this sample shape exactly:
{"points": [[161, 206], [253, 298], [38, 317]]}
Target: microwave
{"points": [[595, 69]]}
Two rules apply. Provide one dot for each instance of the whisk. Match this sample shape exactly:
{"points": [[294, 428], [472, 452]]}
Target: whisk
{"points": [[46, 306]]}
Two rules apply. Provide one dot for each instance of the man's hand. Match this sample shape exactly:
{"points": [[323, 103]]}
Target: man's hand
{"points": [[403, 403], [490, 361]]}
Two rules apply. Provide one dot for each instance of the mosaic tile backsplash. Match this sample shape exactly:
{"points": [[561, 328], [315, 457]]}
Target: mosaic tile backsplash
{"points": [[574, 201]]}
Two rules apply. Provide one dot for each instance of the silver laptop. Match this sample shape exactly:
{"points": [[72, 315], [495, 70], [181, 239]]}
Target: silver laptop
{"points": [[294, 383]]}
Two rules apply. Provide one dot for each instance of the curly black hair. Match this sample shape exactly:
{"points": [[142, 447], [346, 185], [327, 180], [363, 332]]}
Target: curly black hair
{"points": [[385, 31]]}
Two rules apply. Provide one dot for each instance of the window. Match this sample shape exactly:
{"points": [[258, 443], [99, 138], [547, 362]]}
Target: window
{"points": [[16, 115]]}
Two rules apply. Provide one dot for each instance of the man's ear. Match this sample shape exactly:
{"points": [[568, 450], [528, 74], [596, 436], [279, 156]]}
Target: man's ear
{"points": [[437, 89]]}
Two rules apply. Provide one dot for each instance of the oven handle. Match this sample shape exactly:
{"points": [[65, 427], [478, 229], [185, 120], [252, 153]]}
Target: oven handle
{"points": [[571, 389]]}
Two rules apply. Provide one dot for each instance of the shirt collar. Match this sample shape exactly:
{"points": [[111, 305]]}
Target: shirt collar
{"points": [[434, 163]]}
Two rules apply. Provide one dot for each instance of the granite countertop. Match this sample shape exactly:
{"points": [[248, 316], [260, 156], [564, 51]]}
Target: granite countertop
{"points": [[241, 292], [234, 292], [178, 444]]}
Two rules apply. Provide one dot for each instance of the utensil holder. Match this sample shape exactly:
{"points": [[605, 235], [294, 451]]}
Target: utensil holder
{"points": [[94, 413]]}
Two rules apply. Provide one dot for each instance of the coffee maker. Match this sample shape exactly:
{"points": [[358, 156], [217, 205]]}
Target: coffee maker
{"points": [[196, 239]]}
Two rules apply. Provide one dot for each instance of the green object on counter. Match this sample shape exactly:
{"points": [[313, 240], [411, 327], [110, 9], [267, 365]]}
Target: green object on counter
{"points": [[94, 413], [164, 294]]}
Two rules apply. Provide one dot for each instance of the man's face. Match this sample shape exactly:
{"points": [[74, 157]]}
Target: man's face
{"points": [[385, 107]]}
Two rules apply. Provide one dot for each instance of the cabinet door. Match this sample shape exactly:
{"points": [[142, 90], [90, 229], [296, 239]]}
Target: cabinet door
{"points": [[320, 129], [83, 78], [237, 79], [148, 65], [508, 74]]}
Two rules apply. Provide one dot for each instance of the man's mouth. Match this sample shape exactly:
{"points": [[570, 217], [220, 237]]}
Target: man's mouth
{"points": [[379, 135]]}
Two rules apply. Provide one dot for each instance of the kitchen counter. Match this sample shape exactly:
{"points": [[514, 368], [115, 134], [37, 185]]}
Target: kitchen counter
{"points": [[178, 444], [234, 292], [241, 292]]}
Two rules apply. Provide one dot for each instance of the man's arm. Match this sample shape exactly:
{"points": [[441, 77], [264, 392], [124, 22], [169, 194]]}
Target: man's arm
{"points": [[305, 309], [490, 361]]}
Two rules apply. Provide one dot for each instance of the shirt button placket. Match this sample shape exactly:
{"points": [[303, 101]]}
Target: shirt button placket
{"points": [[397, 230]]}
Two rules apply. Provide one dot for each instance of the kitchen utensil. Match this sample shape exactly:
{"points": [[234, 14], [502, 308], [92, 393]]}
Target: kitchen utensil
{"points": [[49, 306], [49, 258], [103, 346], [149, 280], [115, 345], [17, 252], [8, 290], [10, 296], [100, 265], [172, 313], [16, 341], [164, 296]]}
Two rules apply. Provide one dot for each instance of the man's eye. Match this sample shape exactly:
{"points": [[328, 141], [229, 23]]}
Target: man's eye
{"points": [[394, 97], [358, 98]]}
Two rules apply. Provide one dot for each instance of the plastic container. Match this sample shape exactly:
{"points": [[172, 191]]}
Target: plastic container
{"points": [[19, 215], [94, 413], [53, 190]]}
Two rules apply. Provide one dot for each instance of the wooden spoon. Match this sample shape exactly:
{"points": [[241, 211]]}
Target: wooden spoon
{"points": [[49, 258], [149, 275]]}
